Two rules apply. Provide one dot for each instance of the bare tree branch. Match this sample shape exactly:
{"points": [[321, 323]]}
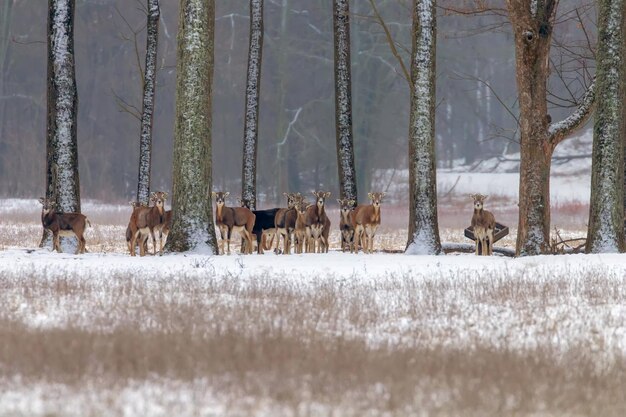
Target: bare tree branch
{"points": [[560, 130], [486, 84], [126, 107], [391, 42]]}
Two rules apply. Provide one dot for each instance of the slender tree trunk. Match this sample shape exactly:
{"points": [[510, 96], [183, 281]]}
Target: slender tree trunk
{"points": [[606, 208], [343, 101], [5, 34], [624, 122], [532, 28], [147, 112], [423, 226], [253, 86], [282, 150], [62, 182], [192, 218]]}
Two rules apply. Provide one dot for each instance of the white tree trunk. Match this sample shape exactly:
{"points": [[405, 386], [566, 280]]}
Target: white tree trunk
{"points": [[62, 182], [253, 85], [147, 112], [343, 101], [606, 217], [423, 226], [192, 218]]}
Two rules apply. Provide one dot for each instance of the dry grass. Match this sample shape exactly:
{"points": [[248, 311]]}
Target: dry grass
{"points": [[194, 343], [404, 345], [20, 227]]}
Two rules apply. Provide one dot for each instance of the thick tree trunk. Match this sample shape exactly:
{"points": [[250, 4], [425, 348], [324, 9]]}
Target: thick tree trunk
{"points": [[62, 164], [147, 112], [423, 225], [192, 219], [534, 201], [532, 47], [343, 101], [62, 182], [253, 86], [532, 28], [606, 209]]}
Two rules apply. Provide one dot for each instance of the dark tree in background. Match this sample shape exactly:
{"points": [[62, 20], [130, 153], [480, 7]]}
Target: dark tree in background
{"points": [[251, 123], [423, 225], [192, 218], [533, 24], [606, 210], [343, 100], [5, 30], [147, 112]]}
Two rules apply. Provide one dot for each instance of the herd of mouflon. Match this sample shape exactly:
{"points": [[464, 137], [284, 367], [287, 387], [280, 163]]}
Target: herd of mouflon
{"points": [[301, 223]]}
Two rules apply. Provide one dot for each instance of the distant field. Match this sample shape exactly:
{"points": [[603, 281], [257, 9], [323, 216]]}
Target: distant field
{"points": [[20, 224]]}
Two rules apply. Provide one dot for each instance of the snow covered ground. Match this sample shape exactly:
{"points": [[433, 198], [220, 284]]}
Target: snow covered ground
{"points": [[499, 176], [316, 334], [306, 334]]}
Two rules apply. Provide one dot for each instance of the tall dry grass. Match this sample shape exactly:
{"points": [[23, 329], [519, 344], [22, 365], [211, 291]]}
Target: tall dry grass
{"points": [[453, 344], [197, 341]]}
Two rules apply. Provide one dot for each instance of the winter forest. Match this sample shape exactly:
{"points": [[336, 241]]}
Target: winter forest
{"points": [[446, 176]]}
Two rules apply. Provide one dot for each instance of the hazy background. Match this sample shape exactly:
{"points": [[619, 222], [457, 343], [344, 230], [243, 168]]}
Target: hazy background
{"points": [[297, 74]]}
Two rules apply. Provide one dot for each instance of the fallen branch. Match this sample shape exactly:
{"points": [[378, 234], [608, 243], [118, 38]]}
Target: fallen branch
{"points": [[471, 248], [565, 247]]}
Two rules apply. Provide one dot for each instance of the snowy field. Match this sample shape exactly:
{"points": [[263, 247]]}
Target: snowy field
{"points": [[337, 334], [104, 334]]}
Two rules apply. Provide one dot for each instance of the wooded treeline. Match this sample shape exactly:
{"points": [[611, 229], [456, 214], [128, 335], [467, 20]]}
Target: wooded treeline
{"points": [[297, 147]]}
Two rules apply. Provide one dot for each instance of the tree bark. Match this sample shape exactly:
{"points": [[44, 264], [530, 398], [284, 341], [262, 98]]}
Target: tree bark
{"points": [[62, 181], [606, 208], [532, 28], [423, 225], [253, 86], [192, 218], [343, 101], [147, 112]]}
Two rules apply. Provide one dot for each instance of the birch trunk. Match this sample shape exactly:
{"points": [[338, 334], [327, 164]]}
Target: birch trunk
{"points": [[423, 226], [147, 112], [62, 182], [532, 28], [192, 218], [253, 86], [343, 100], [606, 210]]}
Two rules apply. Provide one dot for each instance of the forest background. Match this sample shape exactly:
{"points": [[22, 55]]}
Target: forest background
{"points": [[476, 92]]}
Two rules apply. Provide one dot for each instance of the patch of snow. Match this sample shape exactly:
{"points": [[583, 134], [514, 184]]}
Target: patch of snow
{"points": [[570, 176]]}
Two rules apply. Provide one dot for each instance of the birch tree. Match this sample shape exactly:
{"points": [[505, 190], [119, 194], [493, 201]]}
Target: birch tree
{"points": [[532, 24], [251, 124], [62, 182], [147, 112], [343, 100], [606, 214], [423, 226], [192, 218]]}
